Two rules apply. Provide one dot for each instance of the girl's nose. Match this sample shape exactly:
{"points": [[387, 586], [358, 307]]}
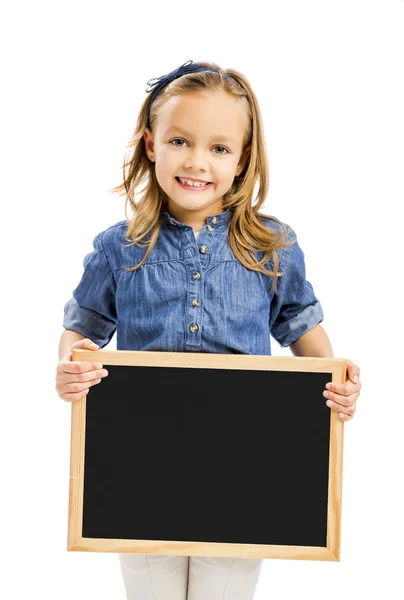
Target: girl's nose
{"points": [[196, 160]]}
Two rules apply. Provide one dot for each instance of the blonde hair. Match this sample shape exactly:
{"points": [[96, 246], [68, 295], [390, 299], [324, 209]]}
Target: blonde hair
{"points": [[247, 234]]}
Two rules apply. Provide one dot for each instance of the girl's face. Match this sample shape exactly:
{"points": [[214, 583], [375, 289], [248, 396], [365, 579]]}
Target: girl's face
{"points": [[198, 136]]}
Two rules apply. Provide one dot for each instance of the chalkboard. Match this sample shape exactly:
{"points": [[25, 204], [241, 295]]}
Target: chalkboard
{"points": [[207, 454]]}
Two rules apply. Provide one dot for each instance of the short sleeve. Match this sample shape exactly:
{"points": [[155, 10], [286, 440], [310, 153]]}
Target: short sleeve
{"points": [[92, 309], [294, 308]]}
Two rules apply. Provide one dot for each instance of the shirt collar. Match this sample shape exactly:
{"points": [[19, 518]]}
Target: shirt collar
{"points": [[218, 220]]}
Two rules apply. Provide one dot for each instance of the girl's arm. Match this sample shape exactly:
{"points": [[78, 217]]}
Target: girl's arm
{"points": [[67, 339], [314, 342]]}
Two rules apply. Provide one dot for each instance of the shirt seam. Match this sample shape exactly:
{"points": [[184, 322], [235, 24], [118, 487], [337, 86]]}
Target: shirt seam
{"points": [[284, 255], [175, 260], [111, 272], [103, 250]]}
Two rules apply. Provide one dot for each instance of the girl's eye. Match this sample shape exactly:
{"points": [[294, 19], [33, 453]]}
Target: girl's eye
{"points": [[176, 140], [180, 146], [223, 148]]}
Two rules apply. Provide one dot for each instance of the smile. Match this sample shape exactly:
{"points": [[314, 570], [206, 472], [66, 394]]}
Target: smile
{"points": [[196, 187]]}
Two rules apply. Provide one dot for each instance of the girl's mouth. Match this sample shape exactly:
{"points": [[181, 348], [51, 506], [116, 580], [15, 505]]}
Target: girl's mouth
{"points": [[193, 188]]}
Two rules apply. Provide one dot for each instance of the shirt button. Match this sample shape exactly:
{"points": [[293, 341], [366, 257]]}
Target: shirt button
{"points": [[214, 219], [209, 227], [172, 222], [195, 302], [194, 327], [196, 275], [203, 249]]}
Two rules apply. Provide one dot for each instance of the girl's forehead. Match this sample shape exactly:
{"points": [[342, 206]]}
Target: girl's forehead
{"points": [[203, 111]]}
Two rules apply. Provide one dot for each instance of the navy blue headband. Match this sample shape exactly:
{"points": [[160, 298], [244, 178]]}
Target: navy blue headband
{"points": [[157, 83]]}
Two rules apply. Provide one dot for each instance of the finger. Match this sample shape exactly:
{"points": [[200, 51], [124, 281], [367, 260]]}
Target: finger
{"points": [[342, 403], [345, 400], [85, 343], [344, 417], [75, 397], [82, 378], [353, 372], [77, 366], [346, 413], [78, 387], [343, 389]]}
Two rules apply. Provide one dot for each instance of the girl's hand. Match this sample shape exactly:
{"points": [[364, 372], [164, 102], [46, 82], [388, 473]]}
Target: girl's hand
{"points": [[342, 397], [74, 378]]}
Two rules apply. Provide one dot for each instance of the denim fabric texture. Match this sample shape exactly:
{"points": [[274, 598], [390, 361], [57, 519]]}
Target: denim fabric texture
{"points": [[191, 295]]}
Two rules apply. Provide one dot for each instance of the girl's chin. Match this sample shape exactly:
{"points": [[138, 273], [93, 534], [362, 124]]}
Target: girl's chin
{"points": [[194, 203]]}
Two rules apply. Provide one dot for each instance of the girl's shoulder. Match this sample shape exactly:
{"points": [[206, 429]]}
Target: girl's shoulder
{"points": [[286, 254], [118, 250], [113, 235], [114, 232], [275, 224]]}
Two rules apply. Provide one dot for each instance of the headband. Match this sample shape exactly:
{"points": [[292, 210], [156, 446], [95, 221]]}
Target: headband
{"points": [[158, 83]]}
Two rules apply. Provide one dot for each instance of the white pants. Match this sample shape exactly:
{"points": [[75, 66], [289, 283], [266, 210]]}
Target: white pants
{"points": [[164, 577]]}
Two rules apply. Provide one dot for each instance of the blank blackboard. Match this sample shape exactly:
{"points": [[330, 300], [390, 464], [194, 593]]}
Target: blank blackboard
{"points": [[207, 454]]}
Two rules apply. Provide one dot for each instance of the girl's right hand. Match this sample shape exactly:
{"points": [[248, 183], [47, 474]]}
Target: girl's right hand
{"points": [[74, 378]]}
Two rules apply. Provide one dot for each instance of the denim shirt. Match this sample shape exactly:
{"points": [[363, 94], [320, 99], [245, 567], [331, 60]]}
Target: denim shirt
{"points": [[191, 295]]}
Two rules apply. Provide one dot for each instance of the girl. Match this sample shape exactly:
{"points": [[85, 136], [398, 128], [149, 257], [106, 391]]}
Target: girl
{"points": [[202, 271]]}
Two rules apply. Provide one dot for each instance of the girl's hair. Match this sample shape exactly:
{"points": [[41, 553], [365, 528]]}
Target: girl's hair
{"points": [[247, 232]]}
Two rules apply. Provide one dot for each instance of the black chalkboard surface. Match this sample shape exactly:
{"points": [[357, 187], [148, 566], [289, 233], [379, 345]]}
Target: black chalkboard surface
{"points": [[215, 455]]}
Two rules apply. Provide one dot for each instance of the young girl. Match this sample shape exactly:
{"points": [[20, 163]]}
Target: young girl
{"points": [[197, 268]]}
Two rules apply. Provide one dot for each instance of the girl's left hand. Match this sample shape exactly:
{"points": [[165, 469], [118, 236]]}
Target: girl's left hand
{"points": [[342, 397]]}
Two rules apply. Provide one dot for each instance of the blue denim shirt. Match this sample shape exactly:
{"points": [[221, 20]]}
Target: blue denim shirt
{"points": [[190, 295]]}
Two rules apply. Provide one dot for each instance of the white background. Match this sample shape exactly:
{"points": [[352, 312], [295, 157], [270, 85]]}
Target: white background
{"points": [[329, 79]]}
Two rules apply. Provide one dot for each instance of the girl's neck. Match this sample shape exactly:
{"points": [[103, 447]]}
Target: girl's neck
{"points": [[193, 218]]}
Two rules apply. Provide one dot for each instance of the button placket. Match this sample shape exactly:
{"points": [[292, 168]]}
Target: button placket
{"points": [[193, 338], [196, 252], [194, 327], [203, 249], [196, 263]]}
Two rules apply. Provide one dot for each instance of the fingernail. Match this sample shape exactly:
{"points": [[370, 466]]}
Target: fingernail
{"points": [[355, 378], [93, 345]]}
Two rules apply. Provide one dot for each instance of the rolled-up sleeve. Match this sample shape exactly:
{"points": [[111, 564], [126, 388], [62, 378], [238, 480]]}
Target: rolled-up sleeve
{"points": [[295, 308], [92, 309]]}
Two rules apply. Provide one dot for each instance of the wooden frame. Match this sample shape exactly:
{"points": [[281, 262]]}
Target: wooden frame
{"points": [[76, 542]]}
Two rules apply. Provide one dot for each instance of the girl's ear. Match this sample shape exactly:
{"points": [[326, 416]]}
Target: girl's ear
{"points": [[149, 144], [243, 160]]}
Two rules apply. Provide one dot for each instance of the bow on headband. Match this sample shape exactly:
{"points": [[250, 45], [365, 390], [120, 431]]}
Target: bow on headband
{"points": [[157, 83]]}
